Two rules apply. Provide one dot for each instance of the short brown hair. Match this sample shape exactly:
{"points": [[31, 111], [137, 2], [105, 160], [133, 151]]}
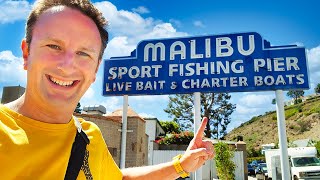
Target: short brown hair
{"points": [[84, 6]]}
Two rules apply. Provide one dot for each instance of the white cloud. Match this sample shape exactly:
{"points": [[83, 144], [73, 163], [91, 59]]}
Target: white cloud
{"points": [[11, 66], [11, 11], [141, 10], [249, 104], [164, 30], [298, 44], [149, 98], [314, 64], [146, 115], [242, 109], [198, 24], [119, 46], [123, 22], [256, 100], [89, 93], [175, 22], [128, 28]]}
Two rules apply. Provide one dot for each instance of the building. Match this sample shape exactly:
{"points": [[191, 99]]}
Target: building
{"points": [[267, 147], [95, 110], [110, 131], [137, 139], [153, 130], [110, 126], [11, 93]]}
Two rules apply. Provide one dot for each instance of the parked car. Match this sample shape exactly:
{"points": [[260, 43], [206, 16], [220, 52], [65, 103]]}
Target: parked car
{"points": [[255, 163], [261, 171], [250, 170]]}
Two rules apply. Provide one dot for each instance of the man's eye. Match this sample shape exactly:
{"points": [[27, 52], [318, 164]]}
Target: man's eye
{"points": [[52, 46], [83, 54]]}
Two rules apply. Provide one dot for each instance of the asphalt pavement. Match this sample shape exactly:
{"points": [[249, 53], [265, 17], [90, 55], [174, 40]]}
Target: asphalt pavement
{"points": [[252, 178]]}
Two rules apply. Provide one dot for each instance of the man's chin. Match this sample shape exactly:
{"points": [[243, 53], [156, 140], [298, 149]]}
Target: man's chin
{"points": [[63, 102]]}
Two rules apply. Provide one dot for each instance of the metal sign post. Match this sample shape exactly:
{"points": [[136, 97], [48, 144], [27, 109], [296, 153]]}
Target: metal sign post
{"points": [[197, 122], [285, 169], [124, 132]]}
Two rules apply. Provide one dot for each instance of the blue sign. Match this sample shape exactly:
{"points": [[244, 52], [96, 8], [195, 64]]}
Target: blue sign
{"points": [[219, 63]]}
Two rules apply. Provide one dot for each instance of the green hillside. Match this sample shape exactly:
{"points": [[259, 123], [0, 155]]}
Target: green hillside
{"points": [[302, 122]]}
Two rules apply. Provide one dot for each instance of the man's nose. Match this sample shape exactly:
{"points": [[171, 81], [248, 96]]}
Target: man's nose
{"points": [[67, 62]]}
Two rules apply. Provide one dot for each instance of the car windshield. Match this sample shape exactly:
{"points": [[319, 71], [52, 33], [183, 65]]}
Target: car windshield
{"points": [[263, 166], [305, 161]]}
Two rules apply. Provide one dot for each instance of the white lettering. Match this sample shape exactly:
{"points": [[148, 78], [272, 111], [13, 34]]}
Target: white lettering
{"points": [[173, 68], [181, 51], [278, 64], [292, 62], [154, 49], [226, 47], [251, 45], [300, 78], [193, 54]]}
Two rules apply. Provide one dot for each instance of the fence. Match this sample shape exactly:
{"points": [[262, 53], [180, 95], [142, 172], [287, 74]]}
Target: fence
{"points": [[208, 170]]}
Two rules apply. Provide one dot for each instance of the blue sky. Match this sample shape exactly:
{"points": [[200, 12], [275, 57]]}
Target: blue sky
{"points": [[280, 22]]}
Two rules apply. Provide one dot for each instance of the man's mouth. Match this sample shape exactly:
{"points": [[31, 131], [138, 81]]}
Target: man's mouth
{"points": [[60, 82]]}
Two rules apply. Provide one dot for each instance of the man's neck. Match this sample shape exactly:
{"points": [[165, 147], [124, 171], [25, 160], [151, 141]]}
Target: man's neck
{"points": [[53, 115]]}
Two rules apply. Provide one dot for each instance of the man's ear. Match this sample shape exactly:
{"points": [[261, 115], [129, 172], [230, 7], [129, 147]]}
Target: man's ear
{"points": [[25, 53]]}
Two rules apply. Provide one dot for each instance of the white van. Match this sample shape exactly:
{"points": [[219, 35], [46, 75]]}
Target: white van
{"points": [[302, 160]]}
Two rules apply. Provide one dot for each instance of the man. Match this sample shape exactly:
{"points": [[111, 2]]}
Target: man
{"points": [[64, 44]]}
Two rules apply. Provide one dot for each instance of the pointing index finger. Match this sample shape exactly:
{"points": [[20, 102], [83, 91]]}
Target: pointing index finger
{"points": [[200, 131]]}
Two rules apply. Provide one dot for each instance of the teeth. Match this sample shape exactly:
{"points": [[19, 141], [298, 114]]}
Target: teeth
{"points": [[61, 83]]}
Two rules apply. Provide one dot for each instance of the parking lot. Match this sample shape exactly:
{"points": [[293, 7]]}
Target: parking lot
{"points": [[251, 178]]}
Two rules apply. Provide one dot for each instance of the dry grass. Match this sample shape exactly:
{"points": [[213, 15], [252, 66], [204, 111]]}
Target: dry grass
{"points": [[302, 122]]}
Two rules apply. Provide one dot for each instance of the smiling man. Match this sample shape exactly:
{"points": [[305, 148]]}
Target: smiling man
{"points": [[64, 44]]}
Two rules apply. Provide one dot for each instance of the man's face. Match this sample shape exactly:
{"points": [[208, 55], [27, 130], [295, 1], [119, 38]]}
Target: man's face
{"points": [[63, 57]]}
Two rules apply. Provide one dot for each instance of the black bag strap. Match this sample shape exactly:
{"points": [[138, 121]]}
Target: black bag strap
{"points": [[77, 152]]}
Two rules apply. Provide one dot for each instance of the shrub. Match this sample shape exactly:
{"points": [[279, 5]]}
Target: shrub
{"points": [[225, 166], [317, 145], [261, 158], [183, 138], [291, 112], [292, 126], [304, 125], [252, 152]]}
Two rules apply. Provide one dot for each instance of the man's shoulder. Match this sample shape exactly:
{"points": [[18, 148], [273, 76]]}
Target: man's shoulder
{"points": [[88, 125]]}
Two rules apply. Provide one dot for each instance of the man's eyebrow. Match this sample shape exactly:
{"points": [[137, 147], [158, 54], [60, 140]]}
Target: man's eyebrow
{"points": [[91, 50], [54, 40]]}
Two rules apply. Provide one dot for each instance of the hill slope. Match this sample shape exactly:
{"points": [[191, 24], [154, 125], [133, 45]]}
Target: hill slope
{"points": [[302, 122]]}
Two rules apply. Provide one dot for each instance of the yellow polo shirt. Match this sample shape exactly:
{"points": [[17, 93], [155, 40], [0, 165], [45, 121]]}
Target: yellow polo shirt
{"points": [[31, 149]]}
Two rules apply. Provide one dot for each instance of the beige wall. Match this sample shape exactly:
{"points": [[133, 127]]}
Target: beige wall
{"points": [[137, 140], [109, 129], [137, 143]]}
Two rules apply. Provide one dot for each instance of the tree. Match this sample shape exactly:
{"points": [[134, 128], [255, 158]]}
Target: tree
{"points": [[317, 89], [78, 109], [317, 145], [170, 127], [215, 106], [274, 101], [295, 94]]}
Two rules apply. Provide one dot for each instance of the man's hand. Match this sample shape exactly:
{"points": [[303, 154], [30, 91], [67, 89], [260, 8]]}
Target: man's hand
{"points": [[198, 151]]}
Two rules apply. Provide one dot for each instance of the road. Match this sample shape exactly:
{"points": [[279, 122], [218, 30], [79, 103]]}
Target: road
{"points": [[252, 178]]}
